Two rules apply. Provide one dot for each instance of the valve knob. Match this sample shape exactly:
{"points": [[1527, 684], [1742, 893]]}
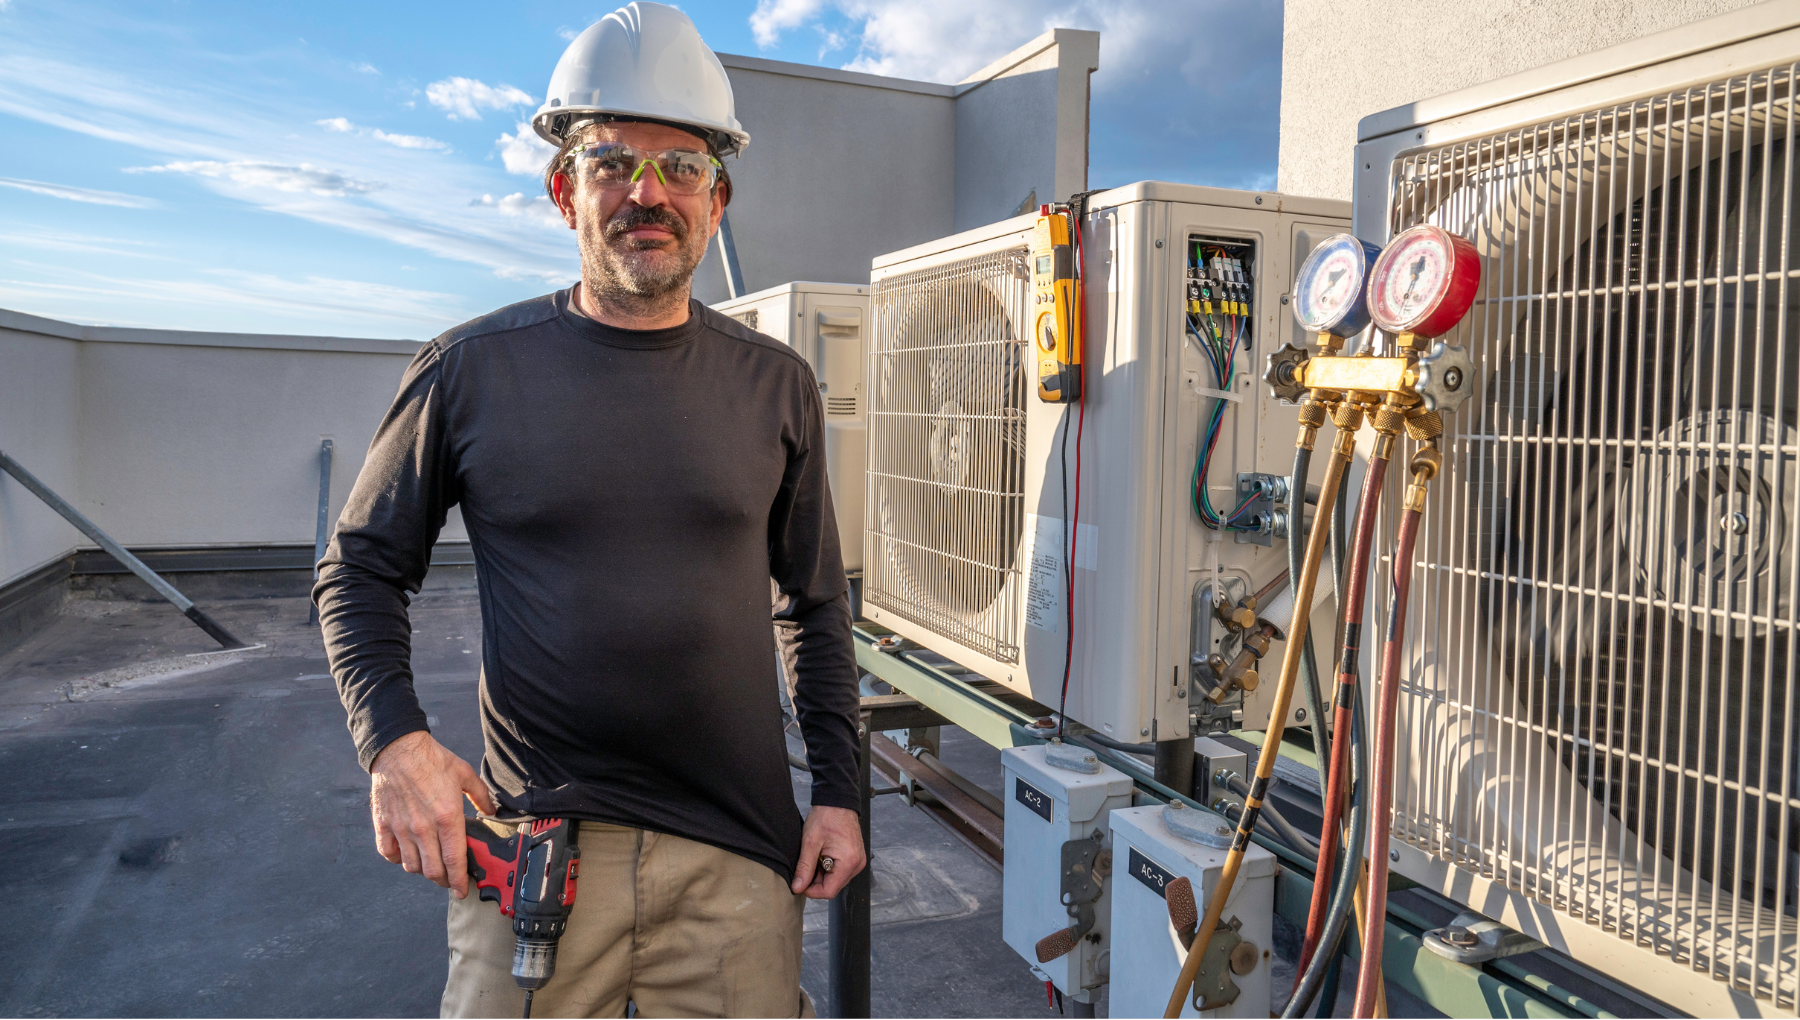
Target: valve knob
{"points": [[1285, 374], [1446, 378]]}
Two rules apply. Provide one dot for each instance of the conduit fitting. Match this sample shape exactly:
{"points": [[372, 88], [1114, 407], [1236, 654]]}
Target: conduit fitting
{"points": [[1345, 446], [1348, 417], [1411, 342], [1313, 414]]}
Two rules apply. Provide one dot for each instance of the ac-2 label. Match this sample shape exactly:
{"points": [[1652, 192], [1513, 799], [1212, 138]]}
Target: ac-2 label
{"points": [[1032, 797]]}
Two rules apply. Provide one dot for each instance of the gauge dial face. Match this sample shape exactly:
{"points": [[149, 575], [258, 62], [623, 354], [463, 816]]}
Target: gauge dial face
{"points": [[1424, 282], [1330, 287]]}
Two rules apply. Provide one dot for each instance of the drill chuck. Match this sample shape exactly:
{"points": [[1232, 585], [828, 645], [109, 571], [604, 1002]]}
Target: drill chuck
{"points": [[534, 963]]}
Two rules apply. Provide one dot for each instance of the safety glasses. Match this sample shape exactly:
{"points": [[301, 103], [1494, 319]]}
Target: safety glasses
{"points": [[616, 165]]}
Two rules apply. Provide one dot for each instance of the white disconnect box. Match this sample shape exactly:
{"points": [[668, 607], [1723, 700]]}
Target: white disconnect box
{"points": [[1147, 955], [1056, 824]]}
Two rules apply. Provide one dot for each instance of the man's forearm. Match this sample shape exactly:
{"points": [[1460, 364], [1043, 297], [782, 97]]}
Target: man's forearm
{"points": [[368, 640], [817, 650]]}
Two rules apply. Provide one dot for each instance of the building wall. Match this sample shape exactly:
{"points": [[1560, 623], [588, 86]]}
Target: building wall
{"points": [[39, 412], [843, 166], [167, 438], [1332, 76]]}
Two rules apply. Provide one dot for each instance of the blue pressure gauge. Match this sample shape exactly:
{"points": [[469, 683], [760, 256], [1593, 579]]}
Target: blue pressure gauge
{"points": [[1329, 296]]}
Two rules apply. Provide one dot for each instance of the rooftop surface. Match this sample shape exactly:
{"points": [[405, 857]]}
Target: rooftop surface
{"points": [[187, 831]]}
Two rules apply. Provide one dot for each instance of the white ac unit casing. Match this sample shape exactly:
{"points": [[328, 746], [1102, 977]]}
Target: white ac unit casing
{"points": [[964, 507], [1599, 728], [826, 323]]}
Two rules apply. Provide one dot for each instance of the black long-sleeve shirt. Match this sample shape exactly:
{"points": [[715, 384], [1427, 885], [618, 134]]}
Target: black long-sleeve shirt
{"points": [[628, 496]]}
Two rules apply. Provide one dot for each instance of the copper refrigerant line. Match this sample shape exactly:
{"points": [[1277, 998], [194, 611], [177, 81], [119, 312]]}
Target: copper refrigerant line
{"points": [[1394, 408]]}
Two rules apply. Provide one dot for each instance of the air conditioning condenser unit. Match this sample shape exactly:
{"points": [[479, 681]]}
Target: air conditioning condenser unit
{"points": [[972, 477]]}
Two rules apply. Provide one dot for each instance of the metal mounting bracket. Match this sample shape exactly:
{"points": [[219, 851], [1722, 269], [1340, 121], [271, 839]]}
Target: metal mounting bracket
{"points": [[1475, 939], [1213, 986]]}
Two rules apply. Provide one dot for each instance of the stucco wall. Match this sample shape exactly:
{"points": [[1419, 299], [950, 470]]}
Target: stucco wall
{"points": [[1336, 68], [39, 405], [843, 167], [169, 438]]}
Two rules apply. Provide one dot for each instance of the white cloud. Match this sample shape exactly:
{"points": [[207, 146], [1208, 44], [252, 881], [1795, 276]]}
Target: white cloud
{"points": [[249, 174], [74, 194], [538, 209], [407, 141], [524, 152], [85, 244], [568, 33], [773, 17], [365, 68], [465, 98], [342, 125], [311, 297]]}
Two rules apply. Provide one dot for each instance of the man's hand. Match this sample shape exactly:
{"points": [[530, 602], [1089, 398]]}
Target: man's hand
{"points": [[836, 833], [416, 787]]}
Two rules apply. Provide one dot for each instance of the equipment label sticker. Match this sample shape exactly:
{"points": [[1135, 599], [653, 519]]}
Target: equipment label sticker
{"points": [[1046, 550], [1148, 872], [1032, 797]]}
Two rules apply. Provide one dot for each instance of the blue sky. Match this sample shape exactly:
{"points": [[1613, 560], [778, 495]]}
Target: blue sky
{"points": [[359, 169]]}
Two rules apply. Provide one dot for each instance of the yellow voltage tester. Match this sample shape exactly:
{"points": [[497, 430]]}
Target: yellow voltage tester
{"points": [[1057, 300]]}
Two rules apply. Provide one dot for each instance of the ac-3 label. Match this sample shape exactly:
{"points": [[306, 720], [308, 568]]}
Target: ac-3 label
{"points": [[1148, 872], [1032, 797]]}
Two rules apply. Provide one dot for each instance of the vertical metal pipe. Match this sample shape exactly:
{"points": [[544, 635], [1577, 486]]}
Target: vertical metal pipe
{"points": [[322, 533], [849, 915]]}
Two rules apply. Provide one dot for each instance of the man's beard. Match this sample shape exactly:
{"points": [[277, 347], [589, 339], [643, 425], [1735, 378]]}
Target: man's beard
{"points": [[638, 277]]}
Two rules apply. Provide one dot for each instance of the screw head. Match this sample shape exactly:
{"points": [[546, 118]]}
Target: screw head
{"points": [[1284, 299], [1457, 935], [1259, 200], [1144, 732], [1159, 244], [1737, 522], [1393, 855], [1299, 715], [1453, 379]]}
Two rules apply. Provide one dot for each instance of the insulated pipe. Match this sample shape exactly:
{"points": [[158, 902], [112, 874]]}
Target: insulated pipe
{"points": [[1368, 980], [1312, 415], [1355, 596]]}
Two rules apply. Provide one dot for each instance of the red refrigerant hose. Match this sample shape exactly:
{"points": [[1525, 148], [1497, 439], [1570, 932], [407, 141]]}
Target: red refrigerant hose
{"points": [[1368, 980]]}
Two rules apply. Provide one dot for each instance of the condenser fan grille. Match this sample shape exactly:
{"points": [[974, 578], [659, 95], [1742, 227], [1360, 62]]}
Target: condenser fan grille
{"points": [[1602, 704], [946, 472]]}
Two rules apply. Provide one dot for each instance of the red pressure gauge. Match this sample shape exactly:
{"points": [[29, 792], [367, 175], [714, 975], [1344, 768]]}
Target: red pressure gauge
{"points": [[1424, 282]]}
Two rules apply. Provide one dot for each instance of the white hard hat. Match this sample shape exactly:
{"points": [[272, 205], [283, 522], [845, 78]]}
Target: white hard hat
{"points": [[644, 61]]}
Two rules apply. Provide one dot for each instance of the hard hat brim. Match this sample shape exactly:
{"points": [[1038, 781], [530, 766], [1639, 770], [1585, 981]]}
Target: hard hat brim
{"points": [[726, 139]]}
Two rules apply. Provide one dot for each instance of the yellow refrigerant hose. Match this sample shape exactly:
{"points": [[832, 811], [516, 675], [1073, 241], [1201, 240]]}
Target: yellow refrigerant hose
{"points": [[1348, 417]]}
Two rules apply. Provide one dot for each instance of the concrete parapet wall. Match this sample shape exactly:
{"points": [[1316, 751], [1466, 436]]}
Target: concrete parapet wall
{"points": [[168, 438]]}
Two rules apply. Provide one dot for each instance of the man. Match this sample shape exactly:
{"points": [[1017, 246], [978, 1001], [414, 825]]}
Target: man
{"points": [[633, 469]]}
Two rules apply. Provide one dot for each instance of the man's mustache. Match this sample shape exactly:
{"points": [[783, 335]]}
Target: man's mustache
{"points": [[634, 216]]}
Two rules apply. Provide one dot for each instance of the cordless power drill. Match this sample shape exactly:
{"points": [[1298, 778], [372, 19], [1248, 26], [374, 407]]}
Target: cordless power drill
{"points": [[532, 876]]}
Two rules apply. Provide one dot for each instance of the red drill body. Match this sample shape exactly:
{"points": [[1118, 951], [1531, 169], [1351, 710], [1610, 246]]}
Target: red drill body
{"points": [[531, 875]]}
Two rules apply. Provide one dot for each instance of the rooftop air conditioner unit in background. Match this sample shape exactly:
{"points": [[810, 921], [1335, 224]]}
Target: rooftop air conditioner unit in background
{"points": [[1601, 708], [825, 323], [965, 507]]}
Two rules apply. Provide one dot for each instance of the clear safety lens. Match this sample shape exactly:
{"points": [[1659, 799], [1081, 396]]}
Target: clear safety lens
{"points": [[614, 165]]}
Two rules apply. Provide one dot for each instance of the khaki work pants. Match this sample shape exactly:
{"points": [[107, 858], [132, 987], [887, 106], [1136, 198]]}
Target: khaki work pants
{"points": [[674, 927]]}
